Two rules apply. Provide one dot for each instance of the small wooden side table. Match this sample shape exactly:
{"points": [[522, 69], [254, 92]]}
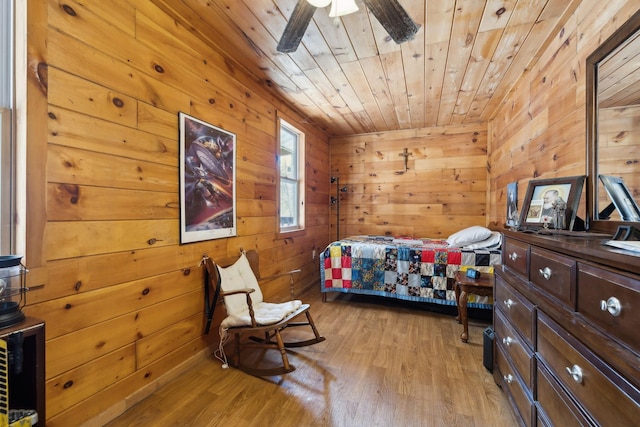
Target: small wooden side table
{"points": [[482, 286]]}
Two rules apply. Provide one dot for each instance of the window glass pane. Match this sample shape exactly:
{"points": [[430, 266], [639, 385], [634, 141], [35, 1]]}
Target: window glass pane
{"points": [[288, 154], [288, 203], [291, 197], [6, 54], [7, 205]]}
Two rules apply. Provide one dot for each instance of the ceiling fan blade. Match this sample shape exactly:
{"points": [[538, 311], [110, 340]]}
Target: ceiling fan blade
{"points": [[393, 18], [297, 25]]}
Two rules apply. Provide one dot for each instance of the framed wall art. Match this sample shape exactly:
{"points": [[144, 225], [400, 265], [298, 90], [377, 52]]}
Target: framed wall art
{"points": [[207, 181], [551, 203]]}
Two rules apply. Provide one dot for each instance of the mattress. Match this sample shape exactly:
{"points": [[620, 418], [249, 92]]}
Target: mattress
{"points": [[421, 270]]}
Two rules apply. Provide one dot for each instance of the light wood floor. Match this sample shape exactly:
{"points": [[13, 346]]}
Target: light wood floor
{"points": [[382, 365]]}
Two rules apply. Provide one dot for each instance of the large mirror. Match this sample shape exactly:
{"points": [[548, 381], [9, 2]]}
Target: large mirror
{"points": [[613, 130]]}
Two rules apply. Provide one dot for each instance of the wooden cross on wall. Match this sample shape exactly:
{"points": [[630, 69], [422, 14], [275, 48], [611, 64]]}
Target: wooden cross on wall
{"points": [[406, 155]]}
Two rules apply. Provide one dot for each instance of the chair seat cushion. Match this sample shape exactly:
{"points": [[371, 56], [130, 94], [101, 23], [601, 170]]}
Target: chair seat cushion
{"points": [[266, 313]]}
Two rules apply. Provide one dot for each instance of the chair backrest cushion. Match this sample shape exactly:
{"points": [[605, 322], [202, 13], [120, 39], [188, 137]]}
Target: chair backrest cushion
{"points": [[239, 276]]}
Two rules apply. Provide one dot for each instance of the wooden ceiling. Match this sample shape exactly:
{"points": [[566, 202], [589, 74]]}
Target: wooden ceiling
{"points": [[618, 76], [348, 77]]}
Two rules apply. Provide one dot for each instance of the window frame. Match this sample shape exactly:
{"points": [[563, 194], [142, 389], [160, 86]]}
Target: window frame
{"points": [[300, 179], [7, 130]]}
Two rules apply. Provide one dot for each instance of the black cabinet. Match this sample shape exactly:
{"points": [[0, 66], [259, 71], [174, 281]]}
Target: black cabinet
{"points": [[26, 366]]}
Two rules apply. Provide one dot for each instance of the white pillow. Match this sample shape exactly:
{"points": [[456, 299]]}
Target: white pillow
{"points": [[239, 275], [494, 240], [469, 235]]}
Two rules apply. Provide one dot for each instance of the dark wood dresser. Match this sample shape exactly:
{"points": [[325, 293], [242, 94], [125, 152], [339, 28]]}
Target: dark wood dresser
{"points": [[567, 330]]}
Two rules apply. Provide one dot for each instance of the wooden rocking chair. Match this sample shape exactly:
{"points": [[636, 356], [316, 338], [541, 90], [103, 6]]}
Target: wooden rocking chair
{"points": [[247, 313]]}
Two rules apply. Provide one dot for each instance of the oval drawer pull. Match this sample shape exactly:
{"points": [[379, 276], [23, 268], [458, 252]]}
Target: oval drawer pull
{"points": [[513, 256], [545, 272], [612, 305], [508, 303], [576, 373], [508, 378]]}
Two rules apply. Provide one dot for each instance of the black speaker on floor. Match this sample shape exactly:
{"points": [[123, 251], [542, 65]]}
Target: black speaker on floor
{"points": [[487, 354]]}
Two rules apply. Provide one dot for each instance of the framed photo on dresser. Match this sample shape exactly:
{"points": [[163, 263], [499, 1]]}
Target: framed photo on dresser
{"points": [[551, 203]]}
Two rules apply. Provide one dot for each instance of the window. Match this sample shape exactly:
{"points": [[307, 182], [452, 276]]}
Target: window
{"points": [[291, 179], [7, 164]]}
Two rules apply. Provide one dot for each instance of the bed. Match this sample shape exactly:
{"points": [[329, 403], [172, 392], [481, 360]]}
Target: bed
{"points": [[420, 270]]}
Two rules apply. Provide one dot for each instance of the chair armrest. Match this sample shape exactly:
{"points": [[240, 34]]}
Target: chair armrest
{"points": [[247, 292], [237, 291], [288, 273], [275, 276]]}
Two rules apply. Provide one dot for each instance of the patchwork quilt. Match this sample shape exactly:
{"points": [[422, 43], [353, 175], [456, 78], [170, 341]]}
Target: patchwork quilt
{"points": [[421, 270]]}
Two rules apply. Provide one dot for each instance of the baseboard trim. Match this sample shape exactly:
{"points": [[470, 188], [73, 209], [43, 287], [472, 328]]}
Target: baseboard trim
{"points": [[128, 402]]}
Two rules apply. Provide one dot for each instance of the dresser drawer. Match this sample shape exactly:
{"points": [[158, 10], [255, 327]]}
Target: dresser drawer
{"points": [[517, 310], [516, 256], [611, 301], [554, 407], [554, 274], [606, 396], [515, 348], [517, 392]]}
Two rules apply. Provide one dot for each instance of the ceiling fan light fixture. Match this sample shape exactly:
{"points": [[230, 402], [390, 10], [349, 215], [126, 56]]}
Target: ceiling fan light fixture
{"points": [[342, 7], [319, 3]]}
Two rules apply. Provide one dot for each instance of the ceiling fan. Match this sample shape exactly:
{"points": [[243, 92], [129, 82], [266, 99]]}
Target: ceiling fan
{"points": [[389, 13]]}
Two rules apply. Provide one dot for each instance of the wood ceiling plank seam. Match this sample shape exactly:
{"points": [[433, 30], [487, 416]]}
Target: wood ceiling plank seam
{"points": [[465, 26], [360, 33], [415, 83], [374, 71], [413, 59], [394, 75], [326, 89], [319, 79], [316, 95], [358, 80], [495, 18], [335, 35], [496, 14], [486, 43], [438, 24]]}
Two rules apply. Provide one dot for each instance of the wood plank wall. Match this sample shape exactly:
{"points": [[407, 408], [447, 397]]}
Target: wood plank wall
{"points": [[443, 190], [121, 298], [539, 131]]}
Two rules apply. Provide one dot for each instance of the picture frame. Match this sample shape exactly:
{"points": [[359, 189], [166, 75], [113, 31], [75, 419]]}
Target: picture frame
{"points": [[537, 208], [513, 218], [621, 199], [207, 181]]}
